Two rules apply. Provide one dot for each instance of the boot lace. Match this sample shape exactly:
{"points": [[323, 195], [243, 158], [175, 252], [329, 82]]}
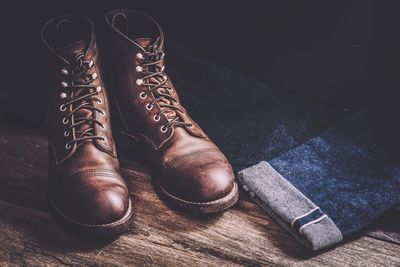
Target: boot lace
{"points": [[152, 67], [80, 94]]}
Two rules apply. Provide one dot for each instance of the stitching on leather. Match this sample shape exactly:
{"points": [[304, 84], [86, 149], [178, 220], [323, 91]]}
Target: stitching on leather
{"points": [[126, 217], [100, 172], [121, 116], [54, 152], [97, 174], [177, 161], [148, 140], [233, 192], [129, 135], [58, 162]]}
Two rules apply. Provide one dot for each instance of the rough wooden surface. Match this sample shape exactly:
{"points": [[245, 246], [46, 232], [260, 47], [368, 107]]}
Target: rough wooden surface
{"points": [[244, 235]]}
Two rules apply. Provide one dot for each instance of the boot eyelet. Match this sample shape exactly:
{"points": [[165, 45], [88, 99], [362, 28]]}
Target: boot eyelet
{"points": [[66, 133], [149, 106], [139, 56], [63, 95], [103, 140], [63, 108], [90, 63], [64, 72], [139, 69], [163, 129], [139, 82], [65, 120], [102, 113], [64, 84], [99, 100], [68, 146], [102, 126], [162, 54], [94, 76], [165, 77], [156, 118], [98, 89], [143, 95]]}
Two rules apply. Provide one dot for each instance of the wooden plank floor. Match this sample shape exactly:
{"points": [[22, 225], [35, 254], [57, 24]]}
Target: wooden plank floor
{"points": [[244, 235]]}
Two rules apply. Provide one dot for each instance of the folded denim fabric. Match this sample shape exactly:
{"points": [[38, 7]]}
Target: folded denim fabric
{"points": [[329, 187]]}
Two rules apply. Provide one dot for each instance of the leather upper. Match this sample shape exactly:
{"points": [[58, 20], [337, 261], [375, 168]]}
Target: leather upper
{"points": [[85, 184], [185, 162]]}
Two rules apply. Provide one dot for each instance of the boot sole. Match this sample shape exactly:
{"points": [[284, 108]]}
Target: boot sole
{"points": [[94, 230], [199, 207]]}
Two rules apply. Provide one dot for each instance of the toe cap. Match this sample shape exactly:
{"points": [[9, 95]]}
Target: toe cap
{"points": [[199, 180], [94, 199]]}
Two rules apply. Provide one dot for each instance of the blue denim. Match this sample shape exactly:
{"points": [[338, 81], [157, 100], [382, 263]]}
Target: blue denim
{"points": [[342, 173], [339, 159]]}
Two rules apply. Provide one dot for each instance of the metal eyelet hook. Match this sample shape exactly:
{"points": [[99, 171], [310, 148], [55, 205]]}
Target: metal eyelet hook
{"points": [[139, 69], [139, 82], [139, 56], [149, 106], [162, 54], [163, 129], [143, 95], [64, 84]]}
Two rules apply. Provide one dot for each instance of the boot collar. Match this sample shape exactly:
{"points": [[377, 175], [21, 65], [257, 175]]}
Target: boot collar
{"points": [[127, 14], [84, 23]]}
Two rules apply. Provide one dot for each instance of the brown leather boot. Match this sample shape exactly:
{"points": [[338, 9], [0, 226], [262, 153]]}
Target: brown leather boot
{"points": [[189, 170], [86, 190]]}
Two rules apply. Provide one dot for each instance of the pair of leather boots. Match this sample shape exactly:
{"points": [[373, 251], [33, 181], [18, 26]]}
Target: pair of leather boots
{"points": [[86, 190]]}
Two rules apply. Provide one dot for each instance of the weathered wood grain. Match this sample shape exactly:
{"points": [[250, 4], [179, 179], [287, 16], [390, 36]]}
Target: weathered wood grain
{"points": [[387, 228], [243, 235]]}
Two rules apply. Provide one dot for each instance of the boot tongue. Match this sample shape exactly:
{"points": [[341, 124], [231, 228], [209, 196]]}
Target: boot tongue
{"points": [[146, 43], [68, 52]]}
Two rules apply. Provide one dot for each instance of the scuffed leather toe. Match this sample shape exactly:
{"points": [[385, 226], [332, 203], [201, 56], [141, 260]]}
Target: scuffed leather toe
{"points": [[198, 180], [93, 199]]}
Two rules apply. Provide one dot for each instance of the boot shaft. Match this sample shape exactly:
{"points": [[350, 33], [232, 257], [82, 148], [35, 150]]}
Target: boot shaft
{"points": [[78, 114], [145, 94]]}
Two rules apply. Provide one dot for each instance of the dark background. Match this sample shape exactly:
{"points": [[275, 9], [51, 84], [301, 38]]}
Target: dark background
{"points": [[339, 52]]}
